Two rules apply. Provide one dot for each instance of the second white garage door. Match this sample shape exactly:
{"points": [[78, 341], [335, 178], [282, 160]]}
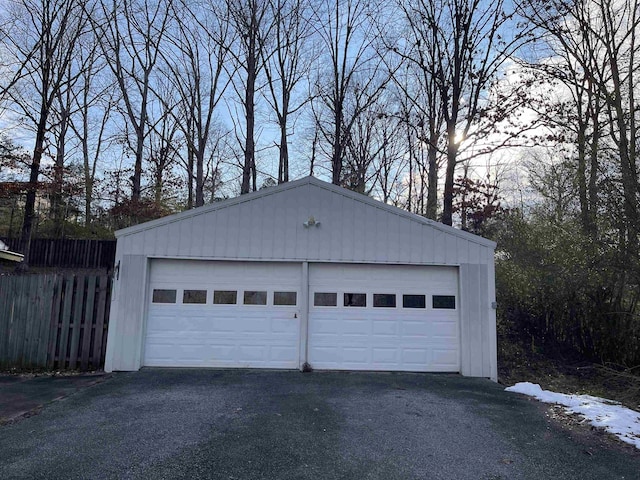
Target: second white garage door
{"points": [[374, 317]]}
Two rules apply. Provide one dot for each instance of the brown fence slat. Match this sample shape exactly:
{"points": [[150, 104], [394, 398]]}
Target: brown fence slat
{"points": [[76, 320], [65, 321], [38, 313], [87, 325], [7, 306], [5, 309], [53, 321], [56, 311], [30, 321], [17, 327], [47, 304], [68, 253], [100, 332]]}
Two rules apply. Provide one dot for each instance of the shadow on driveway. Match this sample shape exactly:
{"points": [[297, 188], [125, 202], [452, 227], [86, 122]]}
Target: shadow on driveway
{"points": [[25, 396], [247, 424]]}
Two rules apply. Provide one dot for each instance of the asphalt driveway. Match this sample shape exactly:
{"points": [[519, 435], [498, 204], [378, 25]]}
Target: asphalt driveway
{"points": [[287, 425]]}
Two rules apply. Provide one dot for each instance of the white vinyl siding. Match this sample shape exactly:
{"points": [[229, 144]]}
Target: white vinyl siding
{"points": [[249, 243], [272, 229]]}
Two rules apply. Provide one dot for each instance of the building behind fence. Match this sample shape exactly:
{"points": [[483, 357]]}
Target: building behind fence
{"points": [[68, 252], [54, 321]]}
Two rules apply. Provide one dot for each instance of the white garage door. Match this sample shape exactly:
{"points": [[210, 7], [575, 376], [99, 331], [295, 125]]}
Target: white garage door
{"points": [[372, 317], [223, 314]]}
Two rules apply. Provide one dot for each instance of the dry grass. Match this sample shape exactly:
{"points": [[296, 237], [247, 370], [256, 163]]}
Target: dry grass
{"points": [[567, 373]]}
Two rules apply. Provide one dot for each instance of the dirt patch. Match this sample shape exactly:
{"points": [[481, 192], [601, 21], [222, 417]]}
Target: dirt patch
{"points": [[593, 438], [31, 373], [567, 373]]}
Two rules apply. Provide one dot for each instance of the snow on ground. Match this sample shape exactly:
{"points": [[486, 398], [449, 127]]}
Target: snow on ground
{"points": [[600, 412]]}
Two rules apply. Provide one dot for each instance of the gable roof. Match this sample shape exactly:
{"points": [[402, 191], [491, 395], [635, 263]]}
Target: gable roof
{"points": [[249, 197]]}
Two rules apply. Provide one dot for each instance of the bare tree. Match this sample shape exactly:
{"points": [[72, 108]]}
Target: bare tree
{"points": [[196, 70], [423, 112], [164, 147], [42, 41], [286, 66], [354, 77], [131, 34], [94, 99], [253, 25], [594, 44], [458, 50], [62, 111]]}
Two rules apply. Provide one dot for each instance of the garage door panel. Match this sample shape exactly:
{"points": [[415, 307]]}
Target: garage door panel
{"points": [[444, 330], [416, 328], [281, 325], [392, 338], [221, 334], [415, 356], [389, 356], [324, 324], [445, 358], [356, 326], [357, 355], [385, 327]]}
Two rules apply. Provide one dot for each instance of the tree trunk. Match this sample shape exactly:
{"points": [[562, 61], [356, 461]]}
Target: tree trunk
{"points": [[581, 173], [136, 191], [283, 164], [452, 158], [432, 175], [336, 160], [88, 176], [248, 172], [190, 177], [30, 201]]}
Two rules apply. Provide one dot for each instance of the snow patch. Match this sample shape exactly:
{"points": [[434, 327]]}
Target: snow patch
{"points": [[600, 412]]}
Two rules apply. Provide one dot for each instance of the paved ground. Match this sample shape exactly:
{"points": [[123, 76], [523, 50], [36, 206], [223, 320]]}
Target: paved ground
{"points": [[25, 396], [288, 425]]}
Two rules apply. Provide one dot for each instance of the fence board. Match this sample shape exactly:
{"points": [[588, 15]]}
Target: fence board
{"points": [[56, 310], [48, 298], [31, 322], [87, 325], [99, 332], [16, 328], [76, 320], [68, 253], [6, 307], [53, 321], [36, 312], [65, 320]]}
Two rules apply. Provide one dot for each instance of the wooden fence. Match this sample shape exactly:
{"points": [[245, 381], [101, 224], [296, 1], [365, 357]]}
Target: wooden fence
{"points": [[54, 321], [68, 252]]}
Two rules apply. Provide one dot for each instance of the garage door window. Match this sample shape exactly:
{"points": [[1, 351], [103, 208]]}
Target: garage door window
{"points": [[163, 296], [225, 297], [194, 296], [321, 299], [254, 297], [384, 300], [284, 298], [444, 301], [355, 299], [413, 301]]}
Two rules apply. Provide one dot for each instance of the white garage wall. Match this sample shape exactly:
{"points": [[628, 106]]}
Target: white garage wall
{"points": [[268, 226]]}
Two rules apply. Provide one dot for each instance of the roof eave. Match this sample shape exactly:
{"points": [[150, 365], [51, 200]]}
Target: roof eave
{"points": [[11, 256]]}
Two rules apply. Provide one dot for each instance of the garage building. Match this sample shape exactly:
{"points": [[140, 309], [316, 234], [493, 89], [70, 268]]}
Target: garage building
{"points": [[303, 273]]}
